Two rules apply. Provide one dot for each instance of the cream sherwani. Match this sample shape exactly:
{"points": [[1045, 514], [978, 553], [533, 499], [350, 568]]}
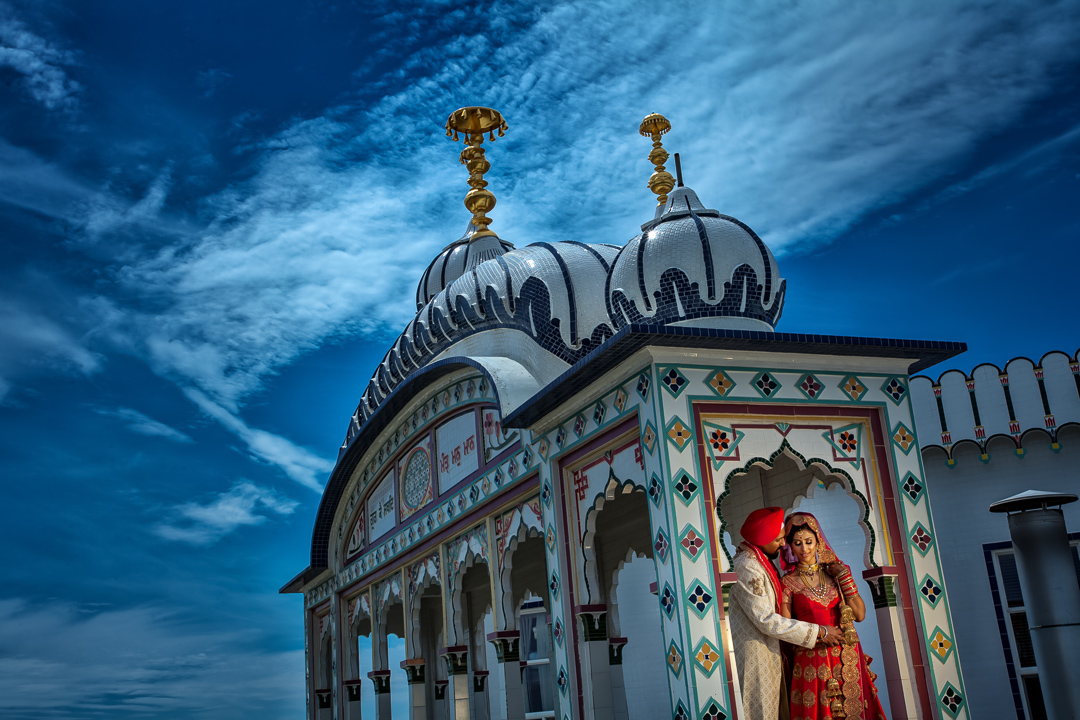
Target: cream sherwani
{"points": [[756, 632]]}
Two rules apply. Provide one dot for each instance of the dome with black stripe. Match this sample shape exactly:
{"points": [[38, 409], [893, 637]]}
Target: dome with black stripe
{"points": [[455, 260], [694, 266]]}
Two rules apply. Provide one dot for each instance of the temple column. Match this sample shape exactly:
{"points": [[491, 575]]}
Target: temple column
{"points": [[457, 668], [896, 667], [352, 699], [481, 709], [507, 648], [618, 684], [414, 669], [381, 680], [442, 703], [595, 663]]}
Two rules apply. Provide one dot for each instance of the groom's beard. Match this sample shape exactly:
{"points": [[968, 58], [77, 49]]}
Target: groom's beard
{"points": [[773, 555]]}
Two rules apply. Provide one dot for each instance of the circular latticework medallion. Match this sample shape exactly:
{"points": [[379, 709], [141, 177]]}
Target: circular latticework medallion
{"points": [[417, 481]]}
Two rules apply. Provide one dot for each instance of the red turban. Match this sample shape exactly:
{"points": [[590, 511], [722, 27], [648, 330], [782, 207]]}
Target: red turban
{"points": [[763, 526]]}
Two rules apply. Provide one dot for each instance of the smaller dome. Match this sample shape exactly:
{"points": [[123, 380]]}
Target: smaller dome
{"points": [[456, 259], [693, 266]]}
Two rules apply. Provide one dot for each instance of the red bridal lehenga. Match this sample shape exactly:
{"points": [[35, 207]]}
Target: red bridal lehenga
{"points": [[812, 694]]}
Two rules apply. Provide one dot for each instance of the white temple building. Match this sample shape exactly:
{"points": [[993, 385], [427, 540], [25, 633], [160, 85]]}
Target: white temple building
{"points": [[541, 488]]}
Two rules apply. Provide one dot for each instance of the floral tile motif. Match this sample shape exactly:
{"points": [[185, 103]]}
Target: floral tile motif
{"points": [[545, 494], [549, 538], [680, 712], [722, 443], [846, 443], [691, 542], [685, 486], [720, 383], [941, 644], [895, 389], [912, 487], [679, 433], [656, 491], [673, 380], [810, 387], [766, 384], [579, 425], [563, 681], [661, 545], [642, 387], [903, 438], [921, 539], [620, 400], [707, 656], [853, 388], [674, 659], [951, 700], [599, 411], [553, 585], [931, 592], [667, 601], [544, 447], [648, 437], [699, 599], [560, 437]]}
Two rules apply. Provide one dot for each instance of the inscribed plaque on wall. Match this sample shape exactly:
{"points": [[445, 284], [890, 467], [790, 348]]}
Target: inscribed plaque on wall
{"points": [[356, 537], [380, 508], [415, 473], [456, 444]]}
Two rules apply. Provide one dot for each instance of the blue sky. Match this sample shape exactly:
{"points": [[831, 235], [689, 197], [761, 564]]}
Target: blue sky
{"points": [[213, 216]]}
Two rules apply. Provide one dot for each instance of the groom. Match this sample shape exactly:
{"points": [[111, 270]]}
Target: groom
{"points": [[756, 624]]}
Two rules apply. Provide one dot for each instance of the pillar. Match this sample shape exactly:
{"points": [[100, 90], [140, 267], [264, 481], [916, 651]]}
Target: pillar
{"points": [[595, 664], [457, 668], [442, 702], [381, 680], [508, 649], [618, 684], [1051, 595], [896, 666], [414, 669], [481, 707], [352, 699]]}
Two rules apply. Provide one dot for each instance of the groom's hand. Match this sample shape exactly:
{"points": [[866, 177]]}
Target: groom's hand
{"points": [[833, 635]]}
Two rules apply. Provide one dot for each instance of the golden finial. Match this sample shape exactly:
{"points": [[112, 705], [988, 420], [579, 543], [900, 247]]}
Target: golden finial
{"points": [[660, 182], [474, 123]]}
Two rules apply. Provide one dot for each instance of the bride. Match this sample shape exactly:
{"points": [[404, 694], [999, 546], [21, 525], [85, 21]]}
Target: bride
{"points": [[826, 682]]}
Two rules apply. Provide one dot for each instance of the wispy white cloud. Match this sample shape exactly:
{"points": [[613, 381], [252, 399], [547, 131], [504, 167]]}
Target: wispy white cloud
{"points": [[39, 62], [143, 425], [136, 662], [300, 464], [239, 506], [32, 343]]}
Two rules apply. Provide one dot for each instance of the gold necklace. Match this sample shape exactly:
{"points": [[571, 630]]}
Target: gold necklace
{"points": [[821, 589], [809, 571]]}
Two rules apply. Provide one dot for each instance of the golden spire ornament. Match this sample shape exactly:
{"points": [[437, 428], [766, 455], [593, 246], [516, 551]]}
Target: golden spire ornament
{"points": [[473, 123], [661, 182]]}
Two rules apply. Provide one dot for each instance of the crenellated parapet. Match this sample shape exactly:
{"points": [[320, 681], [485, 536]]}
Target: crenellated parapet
{"points": [[1023, 401]]}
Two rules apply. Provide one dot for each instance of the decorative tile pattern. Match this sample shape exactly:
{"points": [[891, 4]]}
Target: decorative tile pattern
{"points": [[713, 711], [563, 681], [720, 383], [599, 412], [673, 380], [557, 631], [722, 443], [921, 539], [951, 700], [691, 542], [620, 400], [667, 601], [766, 384], [903, 438], [931, 592], [895, 389], [553, 585], [699, 599], [656, 491], [912, 487], [810, 386], [679, 433], [680, 712], [674, 659], [853, 388], [685, 486], [643, 386], [579, 425], [661, 545], [707, 656], [648, 437], [940, 644]]}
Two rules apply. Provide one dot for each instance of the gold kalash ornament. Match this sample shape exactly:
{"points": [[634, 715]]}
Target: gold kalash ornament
{"points": [[473, 123], [661, 182]]}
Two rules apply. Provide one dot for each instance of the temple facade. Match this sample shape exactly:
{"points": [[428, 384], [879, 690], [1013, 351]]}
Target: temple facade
{"points": [[541, 488]]}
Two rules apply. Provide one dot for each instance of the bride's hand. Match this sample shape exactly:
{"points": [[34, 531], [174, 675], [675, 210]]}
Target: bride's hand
{"points": [[836, 569]]}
